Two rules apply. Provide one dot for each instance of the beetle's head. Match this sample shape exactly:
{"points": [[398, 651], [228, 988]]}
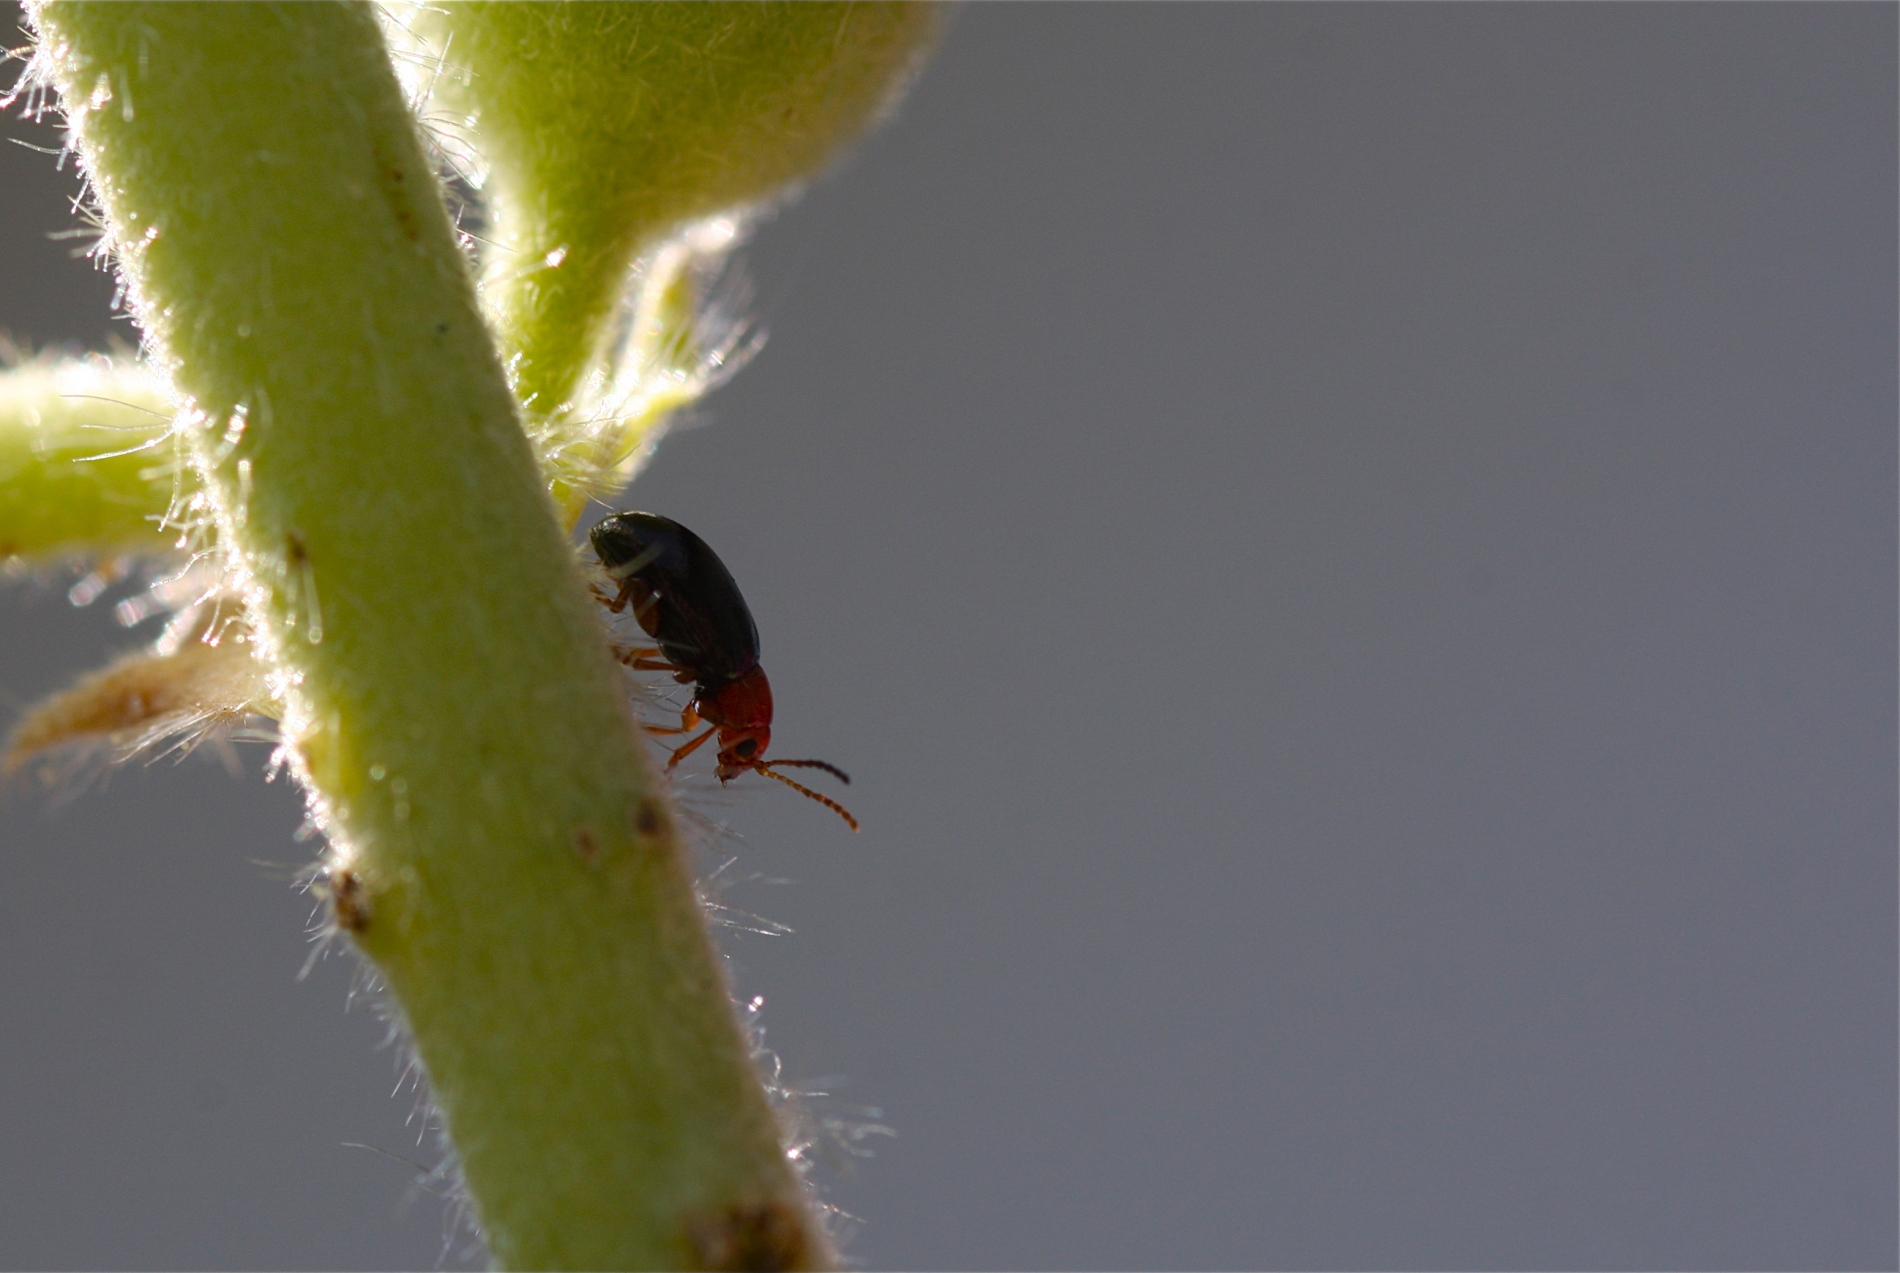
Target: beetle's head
{"points": [[741, 749]]}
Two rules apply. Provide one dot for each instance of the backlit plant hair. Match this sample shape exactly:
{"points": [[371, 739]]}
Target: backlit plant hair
{"points": [[340, 393]]}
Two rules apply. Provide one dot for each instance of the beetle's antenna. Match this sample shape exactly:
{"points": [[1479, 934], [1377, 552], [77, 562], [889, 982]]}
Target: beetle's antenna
{"points": [[826, 801], [829, 768]]}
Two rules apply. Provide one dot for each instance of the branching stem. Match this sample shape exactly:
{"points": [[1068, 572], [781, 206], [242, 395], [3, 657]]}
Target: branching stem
{"points": [[450, 703]]}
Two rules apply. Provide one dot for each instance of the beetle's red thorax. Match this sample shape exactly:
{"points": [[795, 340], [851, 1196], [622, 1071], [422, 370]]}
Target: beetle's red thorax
{"points": [[744, 704], [743, 713]]}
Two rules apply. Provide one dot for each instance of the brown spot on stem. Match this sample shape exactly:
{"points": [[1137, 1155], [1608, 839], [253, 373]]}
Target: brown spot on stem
{"points": [[646, 817], [585, 845], [349, 900], [389, 175], [753, 1237]]}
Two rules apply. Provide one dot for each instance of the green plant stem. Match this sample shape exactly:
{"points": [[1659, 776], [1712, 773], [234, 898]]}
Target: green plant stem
{"points": [[84, 463], [499, 848], [608, 125]]}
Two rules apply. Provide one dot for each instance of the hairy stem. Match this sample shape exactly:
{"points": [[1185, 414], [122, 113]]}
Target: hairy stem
{"points": [[499, 849], [689, 109], [85, 464]]}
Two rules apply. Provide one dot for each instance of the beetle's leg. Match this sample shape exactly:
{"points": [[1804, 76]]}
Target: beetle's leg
{"points": [[691, 747], [645, 659], [689, 721], [629, 587], [616, 602]]}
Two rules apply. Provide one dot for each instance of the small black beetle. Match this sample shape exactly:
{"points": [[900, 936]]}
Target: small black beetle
{"points": [[683, 597]]}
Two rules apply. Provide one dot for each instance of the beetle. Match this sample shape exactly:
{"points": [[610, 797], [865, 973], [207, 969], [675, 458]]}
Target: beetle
{"points": [[683, 597]]}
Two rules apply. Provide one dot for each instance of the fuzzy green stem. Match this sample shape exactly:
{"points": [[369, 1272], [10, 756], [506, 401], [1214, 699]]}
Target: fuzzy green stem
{"points": [[85, 466], [500, 850], [608, 125]]}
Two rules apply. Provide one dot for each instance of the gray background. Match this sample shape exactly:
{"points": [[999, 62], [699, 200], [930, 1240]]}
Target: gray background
{"points": [[1350, 552]]}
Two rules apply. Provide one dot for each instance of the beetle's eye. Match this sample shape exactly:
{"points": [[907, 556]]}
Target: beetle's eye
{"points": [[746, 747]]}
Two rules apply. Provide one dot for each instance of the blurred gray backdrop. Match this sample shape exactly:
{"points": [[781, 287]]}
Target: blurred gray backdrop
{"points": [[1350, 553]]}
